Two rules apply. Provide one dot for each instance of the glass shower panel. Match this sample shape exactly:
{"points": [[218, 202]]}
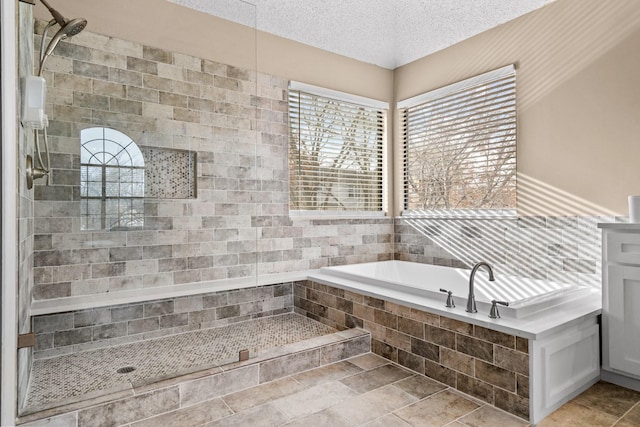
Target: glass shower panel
{"points": [[113, 220], [26, 222], [229, 169], [197, 113]]}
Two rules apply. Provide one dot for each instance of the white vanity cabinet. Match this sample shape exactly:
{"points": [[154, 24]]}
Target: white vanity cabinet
{"points": [[621, 303]]}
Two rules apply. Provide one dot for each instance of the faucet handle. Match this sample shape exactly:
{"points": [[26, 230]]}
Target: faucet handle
{"points": [[494, 313], [450, 303]]}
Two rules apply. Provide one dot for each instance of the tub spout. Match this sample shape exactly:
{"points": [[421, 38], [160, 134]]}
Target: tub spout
{"points": [[471, 300]]}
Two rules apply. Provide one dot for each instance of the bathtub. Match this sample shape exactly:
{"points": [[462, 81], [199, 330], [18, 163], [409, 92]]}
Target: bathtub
{"points": [[559, 320], [525, 296]]}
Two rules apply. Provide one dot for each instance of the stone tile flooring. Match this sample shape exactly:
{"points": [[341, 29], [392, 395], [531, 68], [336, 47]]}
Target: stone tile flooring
{"points": [[91, 373], [370, 391], [603, 405]]}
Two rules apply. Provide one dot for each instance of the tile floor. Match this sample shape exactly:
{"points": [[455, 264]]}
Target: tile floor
{"points": [[370, 391], [603, 405]]}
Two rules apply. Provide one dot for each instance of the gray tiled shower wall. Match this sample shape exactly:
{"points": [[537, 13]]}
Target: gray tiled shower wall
{"points": [[239, 224], [64, 333]]}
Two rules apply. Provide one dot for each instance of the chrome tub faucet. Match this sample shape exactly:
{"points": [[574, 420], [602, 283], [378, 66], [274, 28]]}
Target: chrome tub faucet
{"points": [[471, 300]]}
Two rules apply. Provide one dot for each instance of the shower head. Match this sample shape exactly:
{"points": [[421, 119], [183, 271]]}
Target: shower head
{"points": [[68, 28], [73, 27]]}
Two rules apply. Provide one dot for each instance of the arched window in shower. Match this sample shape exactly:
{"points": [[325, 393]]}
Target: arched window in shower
{"points": [[111, 180]]}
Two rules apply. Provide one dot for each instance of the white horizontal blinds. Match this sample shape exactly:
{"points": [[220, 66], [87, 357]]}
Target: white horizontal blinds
{"points": [[335, 154], [460, 146]]}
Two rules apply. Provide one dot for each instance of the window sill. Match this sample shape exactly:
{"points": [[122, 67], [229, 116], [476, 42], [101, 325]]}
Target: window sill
{"points": [[336, 215], [507, 214]]}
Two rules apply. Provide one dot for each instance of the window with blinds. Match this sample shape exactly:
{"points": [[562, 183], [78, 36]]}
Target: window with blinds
{"points": [[335, 153], [460, 147]]}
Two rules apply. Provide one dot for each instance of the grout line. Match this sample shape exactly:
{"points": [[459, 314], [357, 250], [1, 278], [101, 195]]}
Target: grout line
{"points": [[227, 405], [636, 405], [294, 379], [287, 417], [468, 413]]}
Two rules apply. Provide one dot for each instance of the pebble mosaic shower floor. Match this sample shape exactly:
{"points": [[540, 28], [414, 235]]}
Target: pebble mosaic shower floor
{"points": [[62, 378]]}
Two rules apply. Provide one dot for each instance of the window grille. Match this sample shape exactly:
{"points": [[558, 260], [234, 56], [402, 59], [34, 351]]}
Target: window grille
{"points": [[460, 147], [335, 152], [111, 181]]}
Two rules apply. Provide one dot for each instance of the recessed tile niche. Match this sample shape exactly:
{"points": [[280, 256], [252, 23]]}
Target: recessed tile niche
{"points": [[169, 173]]}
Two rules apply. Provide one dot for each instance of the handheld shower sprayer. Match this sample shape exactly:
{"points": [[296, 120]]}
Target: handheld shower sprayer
{"points": [[68, 28]]}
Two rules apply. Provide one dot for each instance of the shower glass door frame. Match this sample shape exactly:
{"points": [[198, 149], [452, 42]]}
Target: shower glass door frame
{"points": [[8, 308]]}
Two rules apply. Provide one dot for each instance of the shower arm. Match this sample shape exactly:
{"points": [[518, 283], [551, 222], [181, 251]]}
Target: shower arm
{"points": [[57, 16]]}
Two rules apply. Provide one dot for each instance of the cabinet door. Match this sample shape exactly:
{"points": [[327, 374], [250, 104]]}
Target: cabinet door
{"points": [[624, 318]]}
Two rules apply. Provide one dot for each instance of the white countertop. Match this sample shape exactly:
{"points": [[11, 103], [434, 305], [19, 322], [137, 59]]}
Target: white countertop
{"points": [[531, 327], [620, 225], [535, 326]]}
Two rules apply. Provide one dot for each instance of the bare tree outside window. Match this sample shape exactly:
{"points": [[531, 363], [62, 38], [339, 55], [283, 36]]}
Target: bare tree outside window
{"points": [[460, 149], [111, 180], [335, 154]]}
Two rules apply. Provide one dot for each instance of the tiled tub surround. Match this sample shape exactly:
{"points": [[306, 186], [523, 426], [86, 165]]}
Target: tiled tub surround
{"points": [[491, 360], [237, 227], [490, 365], [525, 297]]}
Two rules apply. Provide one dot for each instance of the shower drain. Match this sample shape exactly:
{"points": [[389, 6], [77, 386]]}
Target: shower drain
{"points": [[126, 370]]}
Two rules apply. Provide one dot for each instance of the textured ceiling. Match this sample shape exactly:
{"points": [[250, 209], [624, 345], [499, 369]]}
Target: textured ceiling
{"points": [[388, 33]]}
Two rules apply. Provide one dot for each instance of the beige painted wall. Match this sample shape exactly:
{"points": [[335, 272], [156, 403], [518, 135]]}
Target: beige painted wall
{"points": [[578, 100]]}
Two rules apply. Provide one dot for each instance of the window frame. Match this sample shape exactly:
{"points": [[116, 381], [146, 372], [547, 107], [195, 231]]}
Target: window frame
{"points": [[104, 165], [343, 97], [439, 94]]}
